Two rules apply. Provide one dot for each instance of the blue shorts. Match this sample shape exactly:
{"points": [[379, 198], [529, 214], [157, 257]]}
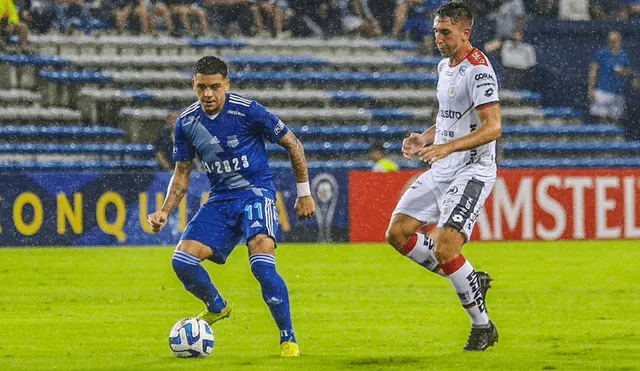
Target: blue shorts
{"points": [[222, 224]]}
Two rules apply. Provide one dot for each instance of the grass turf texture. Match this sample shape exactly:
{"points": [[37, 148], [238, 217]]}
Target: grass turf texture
{"points": [[558, 306]]}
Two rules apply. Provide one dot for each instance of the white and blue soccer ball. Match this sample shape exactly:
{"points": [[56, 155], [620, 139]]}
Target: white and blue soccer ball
{"points": [[191, 338]]}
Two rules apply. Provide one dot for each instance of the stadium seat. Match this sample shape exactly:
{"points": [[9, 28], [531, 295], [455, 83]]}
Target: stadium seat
{"points": [[54, 132], [111, 165], [571, 163]]}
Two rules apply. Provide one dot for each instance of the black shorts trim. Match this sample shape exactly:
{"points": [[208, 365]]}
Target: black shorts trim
{"points": [[463, 210]]}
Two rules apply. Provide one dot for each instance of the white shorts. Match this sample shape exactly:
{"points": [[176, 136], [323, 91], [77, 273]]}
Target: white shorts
{"points": [[607, 104], [453, 203]]}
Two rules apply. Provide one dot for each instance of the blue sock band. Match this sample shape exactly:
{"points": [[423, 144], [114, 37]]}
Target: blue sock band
{"points": [[197, 281], [274, 293]]}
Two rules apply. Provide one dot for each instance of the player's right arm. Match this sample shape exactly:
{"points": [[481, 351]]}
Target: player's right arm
{"points": [[177, 188], [183, 155], [412, 144]]}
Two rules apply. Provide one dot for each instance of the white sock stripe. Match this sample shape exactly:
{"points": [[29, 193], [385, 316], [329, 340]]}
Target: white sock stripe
{"points": [[182, 260], [186, 257], [268, 262], [263, 256]]}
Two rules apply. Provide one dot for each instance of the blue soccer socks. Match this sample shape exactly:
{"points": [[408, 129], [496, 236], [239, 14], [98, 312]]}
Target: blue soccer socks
{"points": [[197, 281], [274, 293]]}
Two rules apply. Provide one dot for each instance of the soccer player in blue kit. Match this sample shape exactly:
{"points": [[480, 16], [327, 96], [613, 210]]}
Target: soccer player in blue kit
{"points": [[228, 132]]}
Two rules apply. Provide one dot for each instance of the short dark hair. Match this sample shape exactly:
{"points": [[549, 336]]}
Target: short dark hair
{"points": [[457, 11], [210, 65]]}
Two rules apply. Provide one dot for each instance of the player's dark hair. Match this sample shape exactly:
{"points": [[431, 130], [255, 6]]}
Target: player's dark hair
{"points": [[377, 146], [457, 11], [210, 65]]}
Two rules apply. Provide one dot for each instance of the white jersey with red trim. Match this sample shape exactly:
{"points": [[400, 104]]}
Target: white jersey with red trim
{"points": [[462, 90]]}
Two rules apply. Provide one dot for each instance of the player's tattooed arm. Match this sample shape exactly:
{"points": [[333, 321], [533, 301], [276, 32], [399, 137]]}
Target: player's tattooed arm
{"points": [[177, 188], [296, 154]]}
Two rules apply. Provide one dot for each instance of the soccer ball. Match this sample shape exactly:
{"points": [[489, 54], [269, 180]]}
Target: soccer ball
{"points": [[191, 338]]}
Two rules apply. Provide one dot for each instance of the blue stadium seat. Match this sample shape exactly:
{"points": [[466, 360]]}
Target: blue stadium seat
{"points": [[34, 60], [78, 165], [75, 77], [73, 148], [220, 43], [33, 131], [585, 129], [397, 45], [569, 147], [334, 77], [271, 61], [353, 131], [327, 148], [420, 61], [343, 165], [571, 163]]}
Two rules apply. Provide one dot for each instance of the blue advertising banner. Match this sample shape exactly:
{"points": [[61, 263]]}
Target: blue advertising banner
{"points": [[94, 209]]}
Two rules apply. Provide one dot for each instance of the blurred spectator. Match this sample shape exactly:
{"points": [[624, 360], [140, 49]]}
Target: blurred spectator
{"points": [[519, 62], [633, 8], [631, 119], [122, 11], [39, 15], [574, 10], [71, 15], [607, 74], [184, 10], [277, 12], [608, 10], [231, 17], [10, 24], [357, 19], [382, 163], [483, 9], [317, 18], [415, 17], [381, 10], [546, 9], [164, 143], [510, 19]]}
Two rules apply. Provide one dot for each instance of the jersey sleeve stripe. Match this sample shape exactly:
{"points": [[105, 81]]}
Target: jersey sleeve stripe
{"points": [[487, 105], [237, 97], [238, 102]]}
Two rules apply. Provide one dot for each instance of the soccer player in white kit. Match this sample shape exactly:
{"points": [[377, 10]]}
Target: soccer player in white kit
{"points": [[461, 151]]}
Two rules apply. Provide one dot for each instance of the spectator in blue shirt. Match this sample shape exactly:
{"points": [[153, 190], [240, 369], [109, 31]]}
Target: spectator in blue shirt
{"points": [[609, 69]]}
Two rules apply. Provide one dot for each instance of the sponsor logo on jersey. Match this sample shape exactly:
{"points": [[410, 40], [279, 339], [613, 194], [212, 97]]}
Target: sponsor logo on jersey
{"points": [[175, 149], [279, 127], [236, 113], [256, 224], [453, 190], [214, 140], [233, 141], [449, 73], [489, 92], [449, 114], [484, 76], [463, 70]]}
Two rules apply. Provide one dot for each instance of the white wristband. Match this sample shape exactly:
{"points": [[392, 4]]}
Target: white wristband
{"points": [[303, 189]]}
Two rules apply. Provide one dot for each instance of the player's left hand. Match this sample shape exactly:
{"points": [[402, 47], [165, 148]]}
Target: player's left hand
{"points": [[433, 153], [305, 207]]}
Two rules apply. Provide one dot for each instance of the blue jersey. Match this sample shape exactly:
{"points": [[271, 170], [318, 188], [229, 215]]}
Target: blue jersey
{"points": [[231, 146], [608, 79]]}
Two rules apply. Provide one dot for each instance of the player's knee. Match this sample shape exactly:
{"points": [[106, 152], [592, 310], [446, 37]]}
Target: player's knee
{"points": [[396, 236], [261, 244], [195, 249]]}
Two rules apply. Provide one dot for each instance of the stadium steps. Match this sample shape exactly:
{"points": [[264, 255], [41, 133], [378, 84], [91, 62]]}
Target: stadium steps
{"points": [[135, 45], [38, 115], [19, 98], [90, 165], [597, 149]]}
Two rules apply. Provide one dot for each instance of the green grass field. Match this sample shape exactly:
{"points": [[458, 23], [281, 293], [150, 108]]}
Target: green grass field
{"points": [[558, 306]]}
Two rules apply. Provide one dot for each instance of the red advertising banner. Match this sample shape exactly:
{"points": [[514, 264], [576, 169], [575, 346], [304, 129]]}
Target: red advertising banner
{"points": [[525, 204]]}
